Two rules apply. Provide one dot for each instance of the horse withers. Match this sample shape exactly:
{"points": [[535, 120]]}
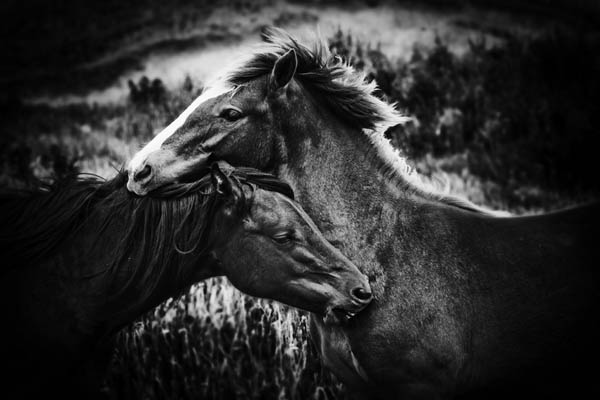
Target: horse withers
{"points": [[465, 303], [86, 258]]}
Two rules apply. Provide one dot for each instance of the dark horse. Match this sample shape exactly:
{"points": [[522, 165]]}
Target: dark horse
{"points": [[465, 303], [87, 258]]}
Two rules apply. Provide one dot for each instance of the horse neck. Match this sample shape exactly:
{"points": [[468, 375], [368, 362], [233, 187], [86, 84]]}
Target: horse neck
{"points": [[483, 271], [338, 178], [424, 257], [347, 188], [492, 283]]}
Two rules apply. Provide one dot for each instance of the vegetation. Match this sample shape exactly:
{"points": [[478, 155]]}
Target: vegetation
{"points": [[510, 127], [215, 343], [84, 45], [520, 114]]}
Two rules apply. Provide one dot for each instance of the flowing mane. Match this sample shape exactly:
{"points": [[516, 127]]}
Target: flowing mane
{"points": [[345, 91], [348, 94], [158, 230]]}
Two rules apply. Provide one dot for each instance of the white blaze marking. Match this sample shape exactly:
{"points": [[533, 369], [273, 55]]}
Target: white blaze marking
{"points": [[214, 140], [140, 157]]}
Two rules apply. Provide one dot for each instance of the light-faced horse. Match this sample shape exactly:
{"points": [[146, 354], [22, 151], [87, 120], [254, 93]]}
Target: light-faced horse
{"points": [[465, 303], [85, 258]]}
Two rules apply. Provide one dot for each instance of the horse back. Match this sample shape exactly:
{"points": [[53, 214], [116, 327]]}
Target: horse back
{"points": [[537, 319], [561, 243]]}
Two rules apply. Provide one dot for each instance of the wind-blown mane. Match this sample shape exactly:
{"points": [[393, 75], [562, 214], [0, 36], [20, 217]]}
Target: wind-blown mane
{"points": [[348, 95], [345, 91], [157, 230]]}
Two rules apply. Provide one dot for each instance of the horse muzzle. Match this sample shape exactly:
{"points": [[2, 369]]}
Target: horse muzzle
{"points": [[138, 181], [342, 313], [163, 167]]}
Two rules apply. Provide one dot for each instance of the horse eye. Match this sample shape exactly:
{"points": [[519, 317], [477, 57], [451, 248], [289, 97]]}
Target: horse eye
{"points": [[283, 238], [231, 114]]}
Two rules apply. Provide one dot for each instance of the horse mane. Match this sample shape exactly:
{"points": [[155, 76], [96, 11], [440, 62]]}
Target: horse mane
{"points": [[159, 230], [348, 94], [344, 90]]}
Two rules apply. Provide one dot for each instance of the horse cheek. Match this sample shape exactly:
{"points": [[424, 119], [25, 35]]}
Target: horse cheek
{"points": [[247, 147]]}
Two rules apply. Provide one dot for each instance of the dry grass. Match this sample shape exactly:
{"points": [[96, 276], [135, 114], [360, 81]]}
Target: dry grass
{"points": [[217, 343]]}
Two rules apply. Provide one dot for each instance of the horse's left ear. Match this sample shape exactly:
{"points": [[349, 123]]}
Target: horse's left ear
{"points": [[283, 70], [226, 187], [221, 182]]}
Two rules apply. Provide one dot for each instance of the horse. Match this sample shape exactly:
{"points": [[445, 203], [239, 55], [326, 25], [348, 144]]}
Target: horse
{"points": [[466, 303], [86, 258]]}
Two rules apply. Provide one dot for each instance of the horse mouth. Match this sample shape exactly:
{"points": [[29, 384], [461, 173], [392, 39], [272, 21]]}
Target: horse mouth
{"points": [[338, 315]]}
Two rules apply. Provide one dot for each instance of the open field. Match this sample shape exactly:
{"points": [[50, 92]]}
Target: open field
{"points": [[86, 52], [507, 119]]}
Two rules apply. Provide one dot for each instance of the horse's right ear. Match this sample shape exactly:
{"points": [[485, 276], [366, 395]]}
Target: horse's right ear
{"points": [[283, 70]]}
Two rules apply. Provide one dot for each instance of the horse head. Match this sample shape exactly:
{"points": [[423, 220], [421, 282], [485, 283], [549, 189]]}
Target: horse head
{"points": [[262, 114], [220, 120], [268, 247]]}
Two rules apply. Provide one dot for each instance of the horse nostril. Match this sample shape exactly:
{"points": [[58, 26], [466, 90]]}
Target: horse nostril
{"points": [[143, 174], [362, 294]]}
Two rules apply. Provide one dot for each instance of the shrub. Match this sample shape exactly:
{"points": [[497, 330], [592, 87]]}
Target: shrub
{"points": [[523, 111]]}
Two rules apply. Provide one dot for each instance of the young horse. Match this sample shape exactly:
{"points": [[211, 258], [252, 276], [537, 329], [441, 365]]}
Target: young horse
{"points": [[465, 303], [87, 258]]}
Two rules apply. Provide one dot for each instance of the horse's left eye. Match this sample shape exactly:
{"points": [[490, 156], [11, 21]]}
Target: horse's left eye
{"points": [[231, 114]]}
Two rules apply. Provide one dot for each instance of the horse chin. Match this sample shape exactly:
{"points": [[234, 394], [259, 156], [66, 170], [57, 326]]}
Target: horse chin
{"points": [[338, 316]]}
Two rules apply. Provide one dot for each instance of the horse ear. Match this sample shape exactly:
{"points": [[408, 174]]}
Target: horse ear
{"points": [[221, 182], [283, 70], [226, 188]]}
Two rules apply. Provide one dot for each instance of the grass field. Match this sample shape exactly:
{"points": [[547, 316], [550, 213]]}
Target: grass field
{"points": [[217, 343], [494, 126]]}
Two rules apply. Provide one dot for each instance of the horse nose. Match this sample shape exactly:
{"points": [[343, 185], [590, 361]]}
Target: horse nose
{"points": [[142, 174], [362, 295]]}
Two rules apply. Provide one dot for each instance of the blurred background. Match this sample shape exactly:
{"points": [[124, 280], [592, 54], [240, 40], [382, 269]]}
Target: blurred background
{"points": [[505, 96]]}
